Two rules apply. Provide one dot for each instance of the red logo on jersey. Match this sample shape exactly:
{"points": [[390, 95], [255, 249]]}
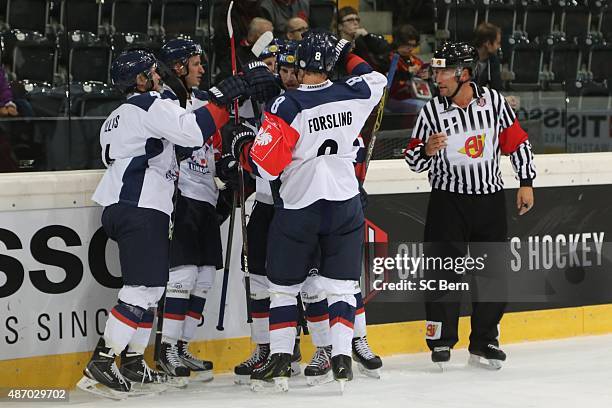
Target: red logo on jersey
{"points": [[474, 146]]}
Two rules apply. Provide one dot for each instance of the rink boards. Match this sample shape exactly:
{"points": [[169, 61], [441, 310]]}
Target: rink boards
{"points": [[59, 273]]}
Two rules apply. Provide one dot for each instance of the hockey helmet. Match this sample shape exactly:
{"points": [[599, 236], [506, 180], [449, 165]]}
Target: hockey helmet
{"points": [[316, 52], [455, 55], [179, 50], [286, 57], [128, 65], [273, 49]]}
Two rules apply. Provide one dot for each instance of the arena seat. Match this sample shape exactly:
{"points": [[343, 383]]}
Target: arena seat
{"points": [[180, 17]]}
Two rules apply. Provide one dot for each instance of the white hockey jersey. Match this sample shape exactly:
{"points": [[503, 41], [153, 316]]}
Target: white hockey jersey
{"points": [[197, 172], [137, 147], [307, 137]]}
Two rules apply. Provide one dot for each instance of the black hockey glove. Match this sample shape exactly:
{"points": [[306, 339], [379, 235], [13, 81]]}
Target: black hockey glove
{"points": [[235, 136], [227, 170], [262, 84], [363, 195], [227, 90], [341, 50]]}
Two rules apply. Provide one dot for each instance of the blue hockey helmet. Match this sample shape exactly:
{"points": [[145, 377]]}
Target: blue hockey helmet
{"points": [[128, 65], [273, 49], [316, 52], [179, 50], [286, 57]]}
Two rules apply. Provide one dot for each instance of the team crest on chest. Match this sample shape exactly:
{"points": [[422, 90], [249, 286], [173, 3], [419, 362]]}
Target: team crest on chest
{"points": [[263, 137], [481, 101], [474, 146]]}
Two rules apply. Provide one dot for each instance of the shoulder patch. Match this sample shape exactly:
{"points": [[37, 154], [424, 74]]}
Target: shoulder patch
{"points": [[143, 101]]}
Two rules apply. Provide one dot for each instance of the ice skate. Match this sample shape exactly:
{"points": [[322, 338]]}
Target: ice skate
{"points": [[277, 369], [144, 380], [342, 367], [319, 371], [101, 375], [490, 357], [440, 356], [244, 370], [201, 370], [171, 364], [368, 363]]}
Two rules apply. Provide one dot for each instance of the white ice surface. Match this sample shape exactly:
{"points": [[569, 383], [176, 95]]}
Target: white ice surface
{"points": [[573, 373]]}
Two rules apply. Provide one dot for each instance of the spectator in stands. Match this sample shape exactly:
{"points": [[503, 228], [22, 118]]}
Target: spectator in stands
{"points": [[418, 13], [243, 13], [487, 39], [256, 28], [296, 26], [371, 47], [7, 106], [280, 11], [411, 85]]}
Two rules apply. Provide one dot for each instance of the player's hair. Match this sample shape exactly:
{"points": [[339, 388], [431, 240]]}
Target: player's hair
{"points": [[484, 33]]}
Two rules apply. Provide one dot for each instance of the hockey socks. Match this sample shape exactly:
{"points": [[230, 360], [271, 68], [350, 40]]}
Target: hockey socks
{"points": [[260, 312], [121, 326], [341, 322], [283, 322], [317, 318]]}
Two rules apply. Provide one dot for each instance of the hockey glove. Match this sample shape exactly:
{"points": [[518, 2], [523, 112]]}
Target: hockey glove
{"points": [[229, 89], [341, 50], [227, 170], [262, 84], [242, 134]]}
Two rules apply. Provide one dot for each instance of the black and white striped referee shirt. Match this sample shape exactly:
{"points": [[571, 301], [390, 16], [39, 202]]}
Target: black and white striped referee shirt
{"points": [[477, 136]]}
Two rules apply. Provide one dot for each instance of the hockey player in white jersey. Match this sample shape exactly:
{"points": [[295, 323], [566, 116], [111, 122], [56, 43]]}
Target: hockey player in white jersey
{"points": [[195, 251], [136, 191], [257, 231], [306, 147]]}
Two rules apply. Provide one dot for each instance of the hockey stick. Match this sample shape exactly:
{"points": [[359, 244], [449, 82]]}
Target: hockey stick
{"points": [[381, 110], [262, 42], [226, 268], [247, 281]]}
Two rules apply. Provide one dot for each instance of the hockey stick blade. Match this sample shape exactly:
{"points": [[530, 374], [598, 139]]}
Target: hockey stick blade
{"points": [[262, 42]]}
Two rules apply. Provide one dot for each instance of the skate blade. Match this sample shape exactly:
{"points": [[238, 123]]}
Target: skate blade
{"points": [[342, 384], [94, 387], [147, 389], [244, 379], [314, 380], [481, 362], [178, 382], [368, 372], [202, 376], [442, 366], [295, 368], [281, 384]]}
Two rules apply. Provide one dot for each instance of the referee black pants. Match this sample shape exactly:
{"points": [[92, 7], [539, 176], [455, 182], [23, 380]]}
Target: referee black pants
{"points": [[453, 221]]}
